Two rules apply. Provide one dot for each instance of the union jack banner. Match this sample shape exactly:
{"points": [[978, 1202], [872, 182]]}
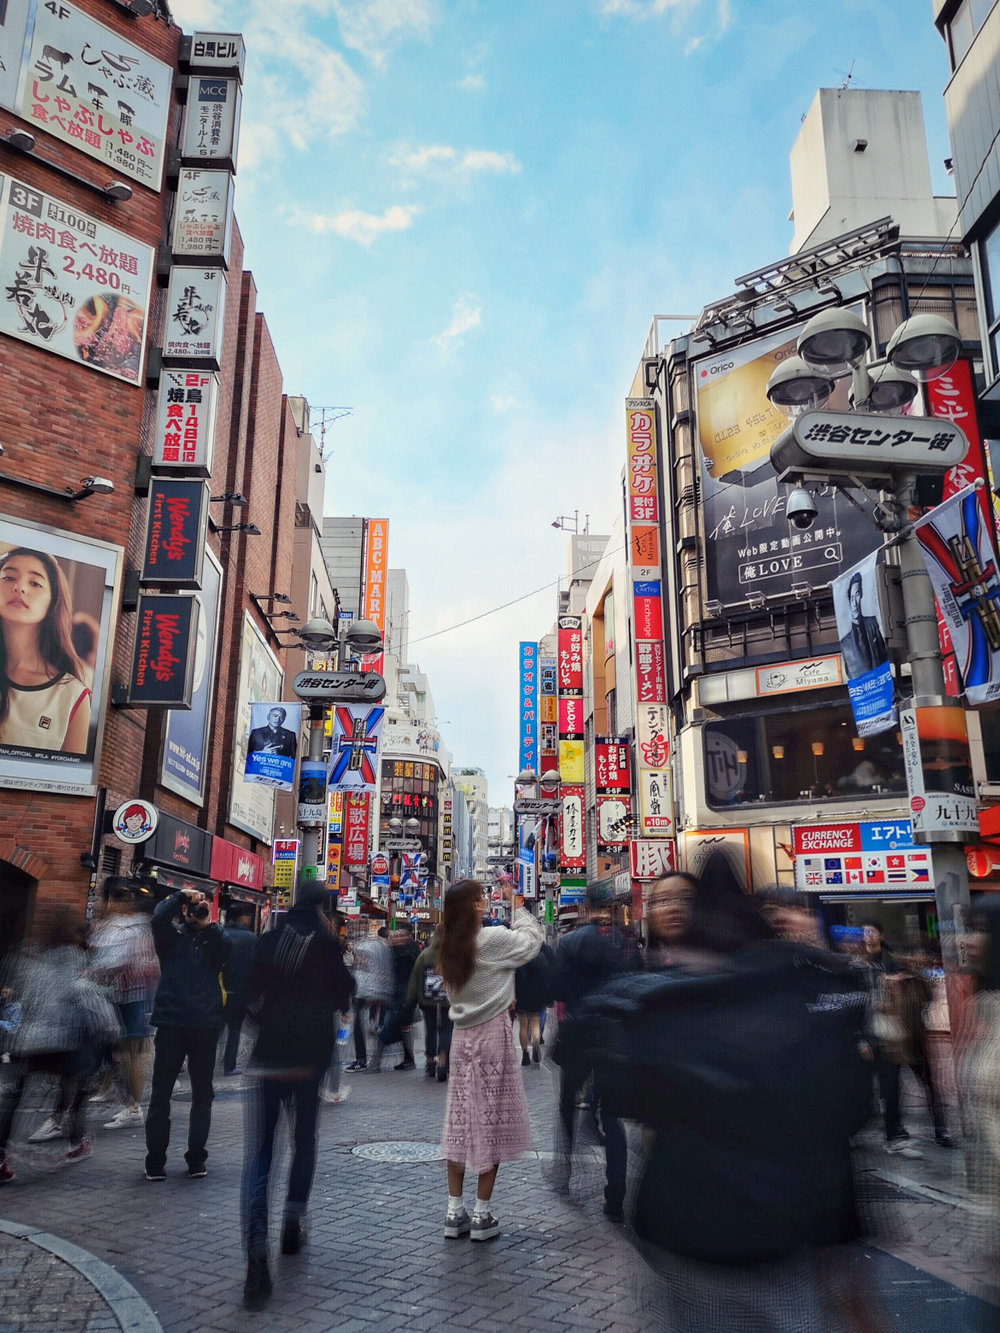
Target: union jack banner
{"points": [[409, 870], [357, 731], [958, 551]]}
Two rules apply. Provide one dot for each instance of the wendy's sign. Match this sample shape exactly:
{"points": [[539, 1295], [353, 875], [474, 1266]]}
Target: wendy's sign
{"points": [[175, 533], [166, 633]]}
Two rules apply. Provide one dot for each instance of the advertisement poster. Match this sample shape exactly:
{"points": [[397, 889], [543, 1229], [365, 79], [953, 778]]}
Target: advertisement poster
{"points": [[185, 421], [957, 547], [528, 659], [61, 591], [748, 546], [357, 732], [273, 744], [212, 120], [251, 806], [939, 779], [863, 647], [176, 524], [96, 91], [166, 637], [196, 300], [70, 284], [203, 218], [312, 792], [720, 853], [185, 735]]}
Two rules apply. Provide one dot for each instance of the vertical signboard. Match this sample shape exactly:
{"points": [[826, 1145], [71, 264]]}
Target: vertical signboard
{"points": [[251, 806], [183, 767], [166, 634], [569, 681], [196, 300], [203, 220], [212, 120], [612, 783], [356, 816], [374, 580], [176, 523], [548, 716], [528, 701], [652, 746], [185, 422]]}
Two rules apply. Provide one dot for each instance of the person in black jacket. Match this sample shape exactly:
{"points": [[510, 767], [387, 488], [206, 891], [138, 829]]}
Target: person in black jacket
{"points": [[236, 979], [299, 984], [187, 1015], [396, 1026]]}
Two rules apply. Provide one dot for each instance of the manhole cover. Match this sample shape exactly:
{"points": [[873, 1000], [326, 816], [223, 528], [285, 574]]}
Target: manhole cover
{"points": [[398, 1152]]}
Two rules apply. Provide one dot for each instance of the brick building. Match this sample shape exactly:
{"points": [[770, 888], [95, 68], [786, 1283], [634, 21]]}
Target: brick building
{"points": [[90, 211]]}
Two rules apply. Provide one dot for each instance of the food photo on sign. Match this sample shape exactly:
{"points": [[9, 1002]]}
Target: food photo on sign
{"points": [[56, 615]]}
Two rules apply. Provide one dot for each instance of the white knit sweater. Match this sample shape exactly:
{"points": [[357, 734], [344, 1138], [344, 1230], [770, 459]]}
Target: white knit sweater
{"points": [[490, 989]]}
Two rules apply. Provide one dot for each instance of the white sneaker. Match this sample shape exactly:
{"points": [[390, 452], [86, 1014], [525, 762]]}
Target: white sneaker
{"points": [[126, 1117], [49, 1129], [335, 1098], [902, 1148]]}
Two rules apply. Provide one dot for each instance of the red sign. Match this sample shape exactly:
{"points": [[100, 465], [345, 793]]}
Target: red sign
{"points": [[611, 764], [569, 666], [651, 681], [380, 864], [827, 838], [572, 850], [571, 716], [356, 831], [235, 865], [641, 446], [652, 858], [648, 616]]}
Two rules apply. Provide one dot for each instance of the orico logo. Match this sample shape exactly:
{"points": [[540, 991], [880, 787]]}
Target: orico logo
{"points": [[719, 369]]}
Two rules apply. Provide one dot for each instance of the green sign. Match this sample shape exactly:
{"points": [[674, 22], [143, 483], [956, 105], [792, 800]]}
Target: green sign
{"points": [[308, 872], [549, 913]]}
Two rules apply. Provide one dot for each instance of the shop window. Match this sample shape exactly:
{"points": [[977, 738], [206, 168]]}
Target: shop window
{"points": [[968, 18], [804, 756]]}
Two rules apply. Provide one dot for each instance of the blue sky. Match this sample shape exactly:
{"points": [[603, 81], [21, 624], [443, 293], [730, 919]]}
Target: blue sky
{"points": [[461, 217]]}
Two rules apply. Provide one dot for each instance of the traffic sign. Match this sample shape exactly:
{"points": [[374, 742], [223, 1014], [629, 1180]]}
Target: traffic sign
{"points": [[872, 445], [337, 687]]}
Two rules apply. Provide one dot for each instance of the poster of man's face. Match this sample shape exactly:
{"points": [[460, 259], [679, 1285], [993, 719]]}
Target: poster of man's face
{"points": [[57, 599]]}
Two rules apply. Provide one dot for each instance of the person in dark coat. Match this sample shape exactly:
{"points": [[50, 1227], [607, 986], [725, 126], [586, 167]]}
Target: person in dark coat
{"points": [[396, 1025], [187, 1015], [299, 985], [236, 979], [586, 960], [532, 996]]}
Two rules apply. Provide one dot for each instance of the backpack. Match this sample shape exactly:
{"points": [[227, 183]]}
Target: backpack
{"points": [[432, 989]]}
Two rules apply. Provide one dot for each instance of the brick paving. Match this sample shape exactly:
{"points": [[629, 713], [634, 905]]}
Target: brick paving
{"points": [[376, 1258]]}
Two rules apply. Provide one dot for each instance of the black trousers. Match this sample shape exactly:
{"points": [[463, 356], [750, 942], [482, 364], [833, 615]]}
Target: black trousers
{"points": [[171, 1045], [73, 1069], [233, 1016], [437, 1031], [572, 1079], [300, 1098]]}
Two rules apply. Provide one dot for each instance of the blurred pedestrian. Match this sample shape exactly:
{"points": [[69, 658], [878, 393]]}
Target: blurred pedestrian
{"points": [[238, 930], [124, 962], [187, 1015], [747, 1067], [298, 984], [586, 960], [532, 996], [486, 1116], [426, 988], [396, 1024], [10, 1020], [374, 982]]}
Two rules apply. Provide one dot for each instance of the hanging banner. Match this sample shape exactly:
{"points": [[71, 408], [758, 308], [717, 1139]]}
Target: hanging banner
{"points": [[863, 647], [357, 731], [958, 551], [356, 831], [312, 792], [273, 744], [529, 707], [943, 803], [374, 580], [183, 766]]}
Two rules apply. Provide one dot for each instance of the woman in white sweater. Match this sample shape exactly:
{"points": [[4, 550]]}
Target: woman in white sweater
{"points": [[486, 1117]]}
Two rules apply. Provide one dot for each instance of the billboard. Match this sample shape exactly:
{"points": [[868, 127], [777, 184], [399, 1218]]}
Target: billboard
{"points": [[87, 86], [251, 806], [70, 284], [374, 578], [184, 438], [163, 652], [185, 735], [203, 216], [58, 593], [747, 544], [273, 744], [528, 707]]}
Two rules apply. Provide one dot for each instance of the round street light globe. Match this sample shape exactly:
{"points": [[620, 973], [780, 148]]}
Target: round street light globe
{"points": [[525, 777], [891, 390], [317, 634], [412, 826], [795, 387], [364, 636], [549, 781], [834, 341], [925, 345]]}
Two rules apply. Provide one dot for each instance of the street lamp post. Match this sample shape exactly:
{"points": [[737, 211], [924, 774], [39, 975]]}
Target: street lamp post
{"points": [[833, 344], [319, 636], [399, 828]]}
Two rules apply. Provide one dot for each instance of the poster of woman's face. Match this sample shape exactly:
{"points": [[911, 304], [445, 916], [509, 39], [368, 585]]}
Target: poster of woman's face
{"points": [[57, 602]]}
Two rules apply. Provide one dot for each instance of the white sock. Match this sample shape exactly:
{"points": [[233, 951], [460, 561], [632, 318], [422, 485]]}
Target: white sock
{"points": [[456, 1204], [481, 1208]]}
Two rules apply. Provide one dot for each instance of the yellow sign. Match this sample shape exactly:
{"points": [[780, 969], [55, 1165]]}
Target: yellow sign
{"points": [[284, 874], [571, 761], [334, 853]]}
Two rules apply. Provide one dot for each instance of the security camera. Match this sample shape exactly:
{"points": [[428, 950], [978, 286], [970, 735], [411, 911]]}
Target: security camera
{"points": [[800, 508]]}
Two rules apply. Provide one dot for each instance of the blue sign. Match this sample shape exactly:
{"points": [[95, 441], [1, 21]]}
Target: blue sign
{"points": [[886, 835], [273, 744], [528, 704]]}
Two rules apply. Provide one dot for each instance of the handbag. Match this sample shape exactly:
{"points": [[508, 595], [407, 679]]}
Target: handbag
{"points": [[432, 991]]}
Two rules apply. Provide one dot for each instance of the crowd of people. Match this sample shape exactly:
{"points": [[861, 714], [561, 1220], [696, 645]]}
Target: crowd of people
{"points": [[724, 1062]]}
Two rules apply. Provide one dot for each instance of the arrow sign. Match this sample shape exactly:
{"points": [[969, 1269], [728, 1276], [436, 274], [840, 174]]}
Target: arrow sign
{"points": [[339, 687]]}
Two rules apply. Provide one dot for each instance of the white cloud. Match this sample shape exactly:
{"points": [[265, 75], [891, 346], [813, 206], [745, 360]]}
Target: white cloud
{"points": [[469, 159], [373, 27], [356, 225], [472, 83], [503, 402], [644, 9], [464, 318]]}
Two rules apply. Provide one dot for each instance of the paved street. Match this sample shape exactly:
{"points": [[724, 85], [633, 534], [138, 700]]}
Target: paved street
{"points": [[376, 1258]]}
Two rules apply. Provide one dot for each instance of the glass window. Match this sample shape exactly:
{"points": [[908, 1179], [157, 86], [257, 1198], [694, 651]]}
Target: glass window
{"points": [[802, 756], [962, 32], [989, 258]]}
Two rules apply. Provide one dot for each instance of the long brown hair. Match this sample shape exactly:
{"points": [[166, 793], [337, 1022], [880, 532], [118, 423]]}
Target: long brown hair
{"points": [[460, 926], [55, 638]]}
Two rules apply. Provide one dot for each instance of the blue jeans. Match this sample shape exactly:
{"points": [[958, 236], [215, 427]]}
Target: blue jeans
{"points": [[300, 1098]]}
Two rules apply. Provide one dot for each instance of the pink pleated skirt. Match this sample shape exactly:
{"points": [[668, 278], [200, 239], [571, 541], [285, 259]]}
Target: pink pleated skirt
{"points": [[486, 1116]]}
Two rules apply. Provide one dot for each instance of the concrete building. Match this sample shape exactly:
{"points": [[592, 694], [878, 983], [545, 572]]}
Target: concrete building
{"points": [[472, 782]]}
